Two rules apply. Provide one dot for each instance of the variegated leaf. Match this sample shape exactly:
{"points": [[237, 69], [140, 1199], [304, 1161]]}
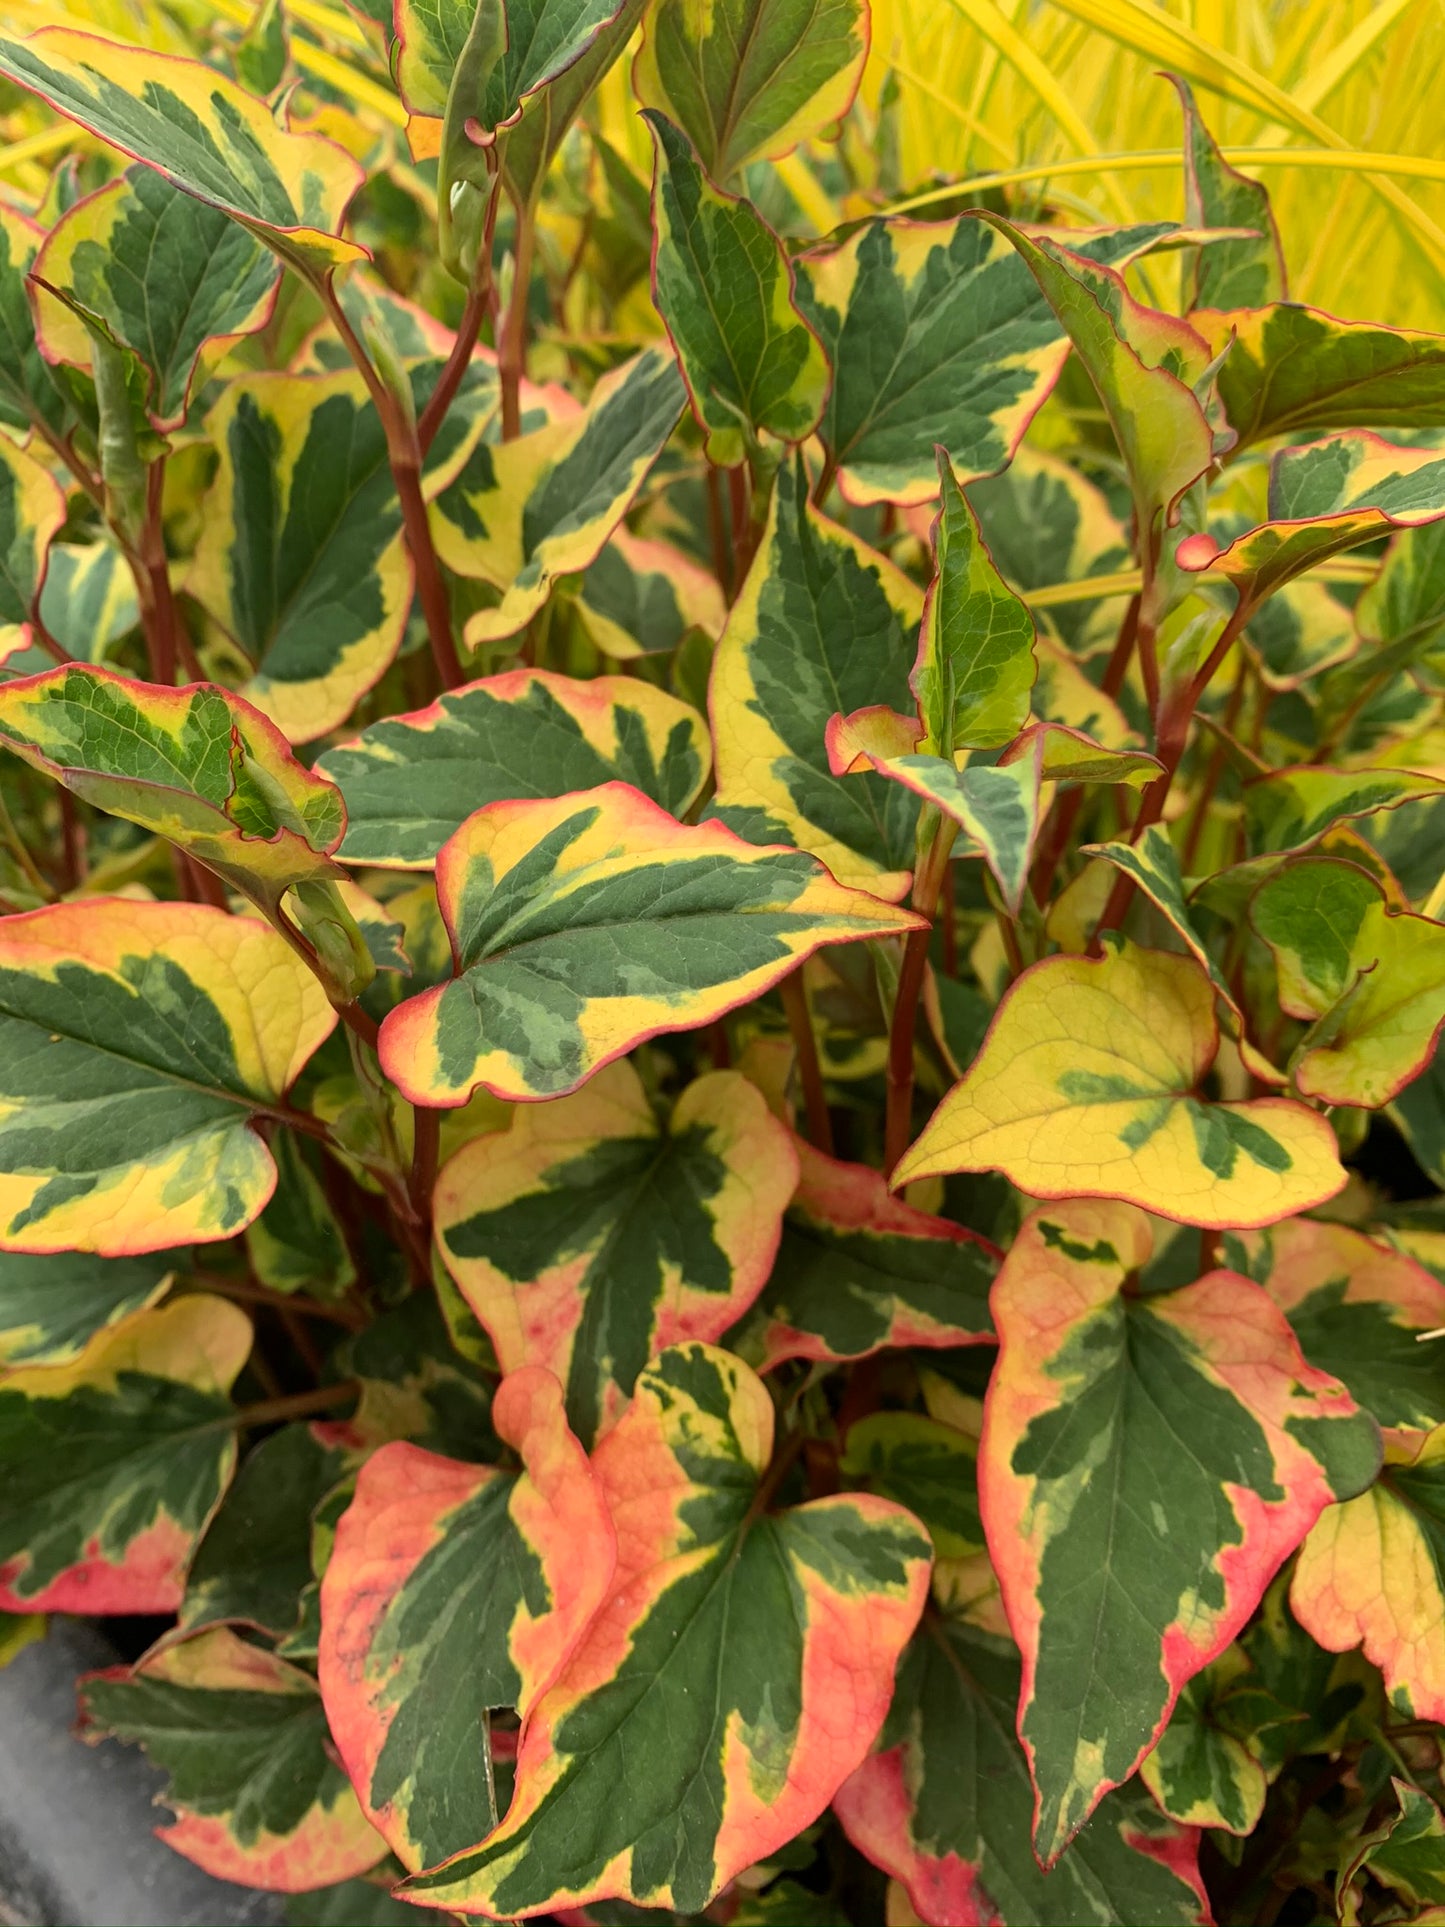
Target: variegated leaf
{"points": [[642, 597], [168, 278], [858, 1270], [1243, 272], [943, 1804], [925, 1465], [51, 1306], [582, 925], [29, 392], [1202, 1771], [1046, 523], [196, 765], [298, 1244], [520, 515], [1086, 1085], [412, 781], [748, 79], [201, 131], [32, 508], [115, 1462], [587, 1237], [713, 1660], [137, 1043], [1108, 1414], [454, 1590], [1291, 808], [241, 1736], [88, 601], [937, 335], [823, 624], [1406, 1853], [301, 558]]}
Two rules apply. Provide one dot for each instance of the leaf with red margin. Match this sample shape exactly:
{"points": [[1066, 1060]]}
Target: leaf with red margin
{"points": [[588, 1238], [1147, 1464], [858, 1270], [944, 1805], [735, 1675], [257, 1796], [454, 1590], [114, 1464], [1358, 1310]]}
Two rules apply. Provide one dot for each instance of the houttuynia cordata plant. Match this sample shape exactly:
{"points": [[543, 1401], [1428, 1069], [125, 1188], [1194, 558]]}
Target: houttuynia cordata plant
{"points": [[720, 1147]]}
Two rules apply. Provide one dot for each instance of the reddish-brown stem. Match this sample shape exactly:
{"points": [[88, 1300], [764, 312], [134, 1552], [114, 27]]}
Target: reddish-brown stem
{"points": [[275, 1411], [360, 1022], [478, 306], [810, 1071], [1212, 774], [426, 1150], [72, 842], [722, 566], [203, 885], [249, 1293], [739, 507], [158, 606], [512, 351], [927, 886], [301, 1339], [720, 1051], [824, 482]]}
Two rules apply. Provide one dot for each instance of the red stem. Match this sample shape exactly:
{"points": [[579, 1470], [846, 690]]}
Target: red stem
{"points": [[927, 885], [800, 1023], [478, 306], [512, 353]]}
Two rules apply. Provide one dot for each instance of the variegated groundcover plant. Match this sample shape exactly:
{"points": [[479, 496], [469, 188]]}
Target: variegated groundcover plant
{"points": [[720, 1144]]}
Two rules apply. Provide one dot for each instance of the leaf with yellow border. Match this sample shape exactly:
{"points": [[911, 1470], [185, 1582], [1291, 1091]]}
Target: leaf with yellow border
{"points": [[32, 509], [53, 1304], [1202, 1770], [1086, 1085], [1243, 272], [642, 597], [590, 1236], [583, 925], [116, 1461], [1109, 1411], [454, 1591]]}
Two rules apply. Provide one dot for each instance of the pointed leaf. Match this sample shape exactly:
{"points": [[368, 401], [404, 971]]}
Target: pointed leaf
{"points": [[242, 1739], [1242, 273], [255, 1559], [975, 665], [1086, 1085], [944, 1803], [1372, 1573], [582, 925], [1407, 1854], [1324, 499], [1290, 808], [162, 275], [454, 1590], [937, 334], [29, 392], [714, 1659], [524, 513], [925, 1465], [301, 558], [511, 52], [642, 597], [52, 1306], [195, 765], [1297, 371], [201, 131], [1402, 612], [1143, 363], [749, 79], [586, 1238], [858, 1270], [412, 781], [137, 1040], [1106, 1414], [115, 1462], [823, 624], [1358, 1310], [32, 508], [723, 285], [1202, 1774]]}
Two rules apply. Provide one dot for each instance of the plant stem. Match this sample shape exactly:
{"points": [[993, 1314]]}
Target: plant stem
{"points": [[478, 306], [722, 563], [800, 1023], [11, 837], [158, 607], [512, 353], [249, 1293], [72, 842], [426, 1147], [927, 887], [275, 1411]]}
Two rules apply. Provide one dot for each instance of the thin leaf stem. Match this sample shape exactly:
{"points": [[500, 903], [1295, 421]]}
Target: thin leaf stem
{"points": [[1065, 811], [478, 307], [800, 1023], [512, 351], [158, 606], [426, 1151], [927, 888], [247, 1292], [294, 1405]]}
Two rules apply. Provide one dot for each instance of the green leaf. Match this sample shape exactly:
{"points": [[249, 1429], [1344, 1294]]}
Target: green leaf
{"points": [[297, 1243], [1295, 371], [242, 1739], [823, 624], [163, 276], [137, 1042], [1358, 1309], [195, 765], [711, 1660], [255, 1559], [1148, 1463], [1291, 808], [520, 515], [937, 335], [52, 1306], [926, 1466], [723, 285], [29, 392], [858, 1270], [202, 132], [454, 1590], [1323, 499], [943, 1804], [587, 1238], [749, 79], [642, 597], [417, 1385], [88, 601], [1201, 1773], [1242, 273], [364, 1902], [32, 508], [412, 781], [1406, 1854], [582, 925], [115, 1462], [1301, 631], [975, 667]]}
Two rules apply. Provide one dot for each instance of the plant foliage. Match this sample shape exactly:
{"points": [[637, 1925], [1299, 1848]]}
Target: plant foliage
{"points": [[722, 949]]}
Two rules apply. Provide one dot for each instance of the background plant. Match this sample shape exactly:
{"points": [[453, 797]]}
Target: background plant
{"points": [[720, 961]]}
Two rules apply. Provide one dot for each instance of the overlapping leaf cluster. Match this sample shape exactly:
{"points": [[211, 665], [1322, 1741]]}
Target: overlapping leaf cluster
{"points": [[721, 952]]}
